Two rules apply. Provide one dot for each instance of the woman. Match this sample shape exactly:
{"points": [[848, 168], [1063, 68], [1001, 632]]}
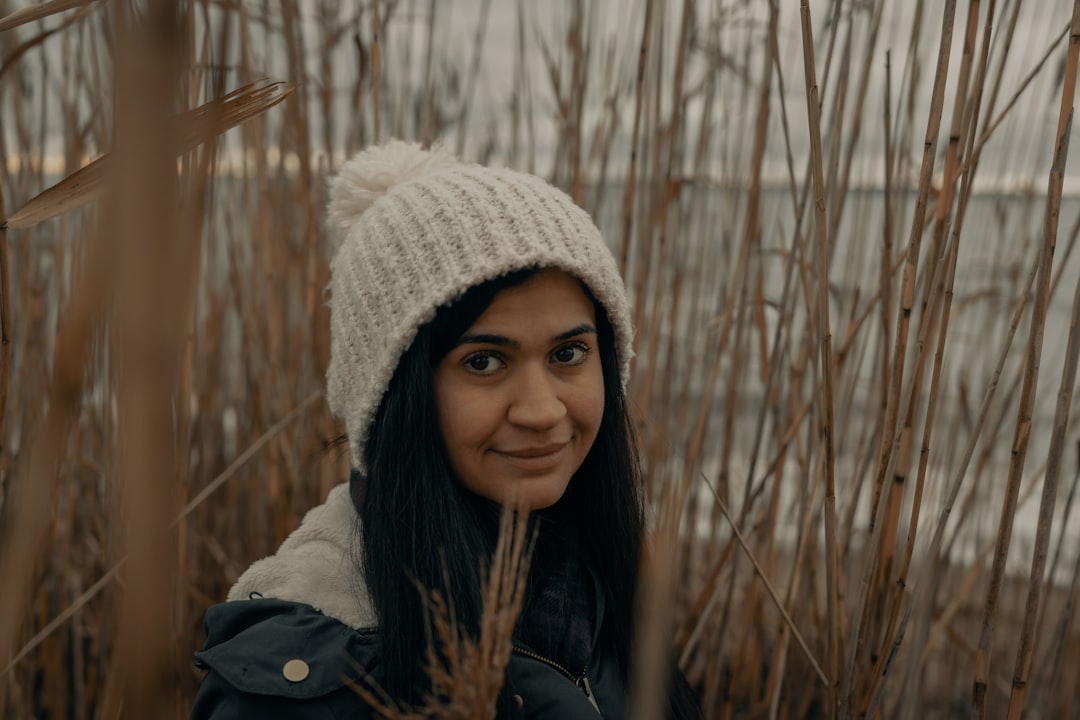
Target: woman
{"points": [[480, 346]]}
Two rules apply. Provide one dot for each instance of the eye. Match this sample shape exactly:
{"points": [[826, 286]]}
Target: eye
{"points": [[483, 363], [571, 354]]}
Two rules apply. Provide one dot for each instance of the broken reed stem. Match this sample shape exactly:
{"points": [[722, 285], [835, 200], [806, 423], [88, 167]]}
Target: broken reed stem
{"points": [[832, 579], [769, 588], [806, 539]]}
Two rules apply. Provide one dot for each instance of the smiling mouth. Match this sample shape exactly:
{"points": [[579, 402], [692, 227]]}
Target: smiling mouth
{"points": [[535, 459]]}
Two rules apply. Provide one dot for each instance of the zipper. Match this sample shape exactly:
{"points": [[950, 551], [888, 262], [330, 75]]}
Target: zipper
{"points": [[582, 682]]}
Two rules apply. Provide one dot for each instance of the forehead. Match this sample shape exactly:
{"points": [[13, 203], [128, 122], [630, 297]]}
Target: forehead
{"points": [[547, 296]]}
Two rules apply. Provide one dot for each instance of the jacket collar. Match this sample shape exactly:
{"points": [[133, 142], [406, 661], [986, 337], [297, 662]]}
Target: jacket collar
{"points": [[315, 565]]}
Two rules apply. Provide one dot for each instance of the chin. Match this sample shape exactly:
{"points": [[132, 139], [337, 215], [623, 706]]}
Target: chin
{"points": [[536, 498]]}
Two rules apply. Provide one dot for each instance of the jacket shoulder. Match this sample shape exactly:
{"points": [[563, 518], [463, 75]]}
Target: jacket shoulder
{"points": [[274, 658]]}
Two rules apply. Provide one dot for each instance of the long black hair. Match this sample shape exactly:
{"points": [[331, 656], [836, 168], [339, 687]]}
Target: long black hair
{"points": [[419, 528]]}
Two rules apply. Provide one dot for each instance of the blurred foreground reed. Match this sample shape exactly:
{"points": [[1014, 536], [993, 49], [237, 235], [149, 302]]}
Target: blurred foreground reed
{"points": [[851, 261]]}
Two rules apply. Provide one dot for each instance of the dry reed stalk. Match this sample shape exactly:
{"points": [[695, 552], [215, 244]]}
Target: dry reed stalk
{"points": [[899, 577], [194, 503], [654, 601], [705, 405], [772, 593], [1054, 658], [642, 279], [156, 284], [777, 673], [1031, 365], [1052, 653], [189, 130], [834, 140], [5, 344], [911, 684], [667, 194], [1023, 86], [921, 588], [26, 503], [376, 74], [269, 277], [891, 437], [1047, 506], [603, 136], [752, 238], [824, 338], [5, 368], [427, 131], [1061, 414], [962, 127], [467, 673], [752, 233], [470, 78], [39, 11], [12, 59], [728, 305], [841, 192], [939, 302], [580, 58], [631, 173]]}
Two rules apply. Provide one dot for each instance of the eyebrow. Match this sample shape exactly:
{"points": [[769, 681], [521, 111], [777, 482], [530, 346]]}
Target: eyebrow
{"points": [[503, 341]]}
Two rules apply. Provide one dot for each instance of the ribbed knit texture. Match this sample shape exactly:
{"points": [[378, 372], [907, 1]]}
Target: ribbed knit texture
{"points": [[419, 229]]}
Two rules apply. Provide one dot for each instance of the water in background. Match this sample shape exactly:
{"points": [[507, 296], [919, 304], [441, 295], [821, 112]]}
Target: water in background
{"points": [[1000, 237]]}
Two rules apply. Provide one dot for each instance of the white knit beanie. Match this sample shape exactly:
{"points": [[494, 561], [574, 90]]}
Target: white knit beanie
{"points": [[417, 229]]}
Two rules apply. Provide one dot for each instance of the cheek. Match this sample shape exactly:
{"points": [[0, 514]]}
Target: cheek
{"points": [[589, 405], [449, 413], [464, 417]]}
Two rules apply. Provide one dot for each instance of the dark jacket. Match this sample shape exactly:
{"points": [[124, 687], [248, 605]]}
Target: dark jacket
{"points": [[297, 633]]}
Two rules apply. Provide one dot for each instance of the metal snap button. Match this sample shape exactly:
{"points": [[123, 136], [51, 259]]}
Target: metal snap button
{"points": [[296, 670]]}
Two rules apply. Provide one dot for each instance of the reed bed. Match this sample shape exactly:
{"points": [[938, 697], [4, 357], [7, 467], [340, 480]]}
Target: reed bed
{"points": [[848, 232]]}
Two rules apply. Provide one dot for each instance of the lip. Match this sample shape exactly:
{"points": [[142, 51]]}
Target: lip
{"points": [[534, 459]]}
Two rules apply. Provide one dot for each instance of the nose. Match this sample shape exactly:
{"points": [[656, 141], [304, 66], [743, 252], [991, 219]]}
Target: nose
{"points": [[535, 401]]}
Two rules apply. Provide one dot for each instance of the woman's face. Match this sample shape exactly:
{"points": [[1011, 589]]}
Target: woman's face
{"points": [[520, 396]]}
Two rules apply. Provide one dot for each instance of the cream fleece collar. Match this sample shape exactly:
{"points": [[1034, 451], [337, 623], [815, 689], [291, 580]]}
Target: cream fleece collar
{"points": [[314, 566]]}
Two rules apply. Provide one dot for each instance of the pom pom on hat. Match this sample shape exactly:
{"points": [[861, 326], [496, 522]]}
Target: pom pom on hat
{"points": [[418, 228], [372, 172]]}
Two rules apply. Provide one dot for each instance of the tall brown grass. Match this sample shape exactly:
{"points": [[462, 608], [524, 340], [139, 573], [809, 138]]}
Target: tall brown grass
{"points": [[841, 432]]}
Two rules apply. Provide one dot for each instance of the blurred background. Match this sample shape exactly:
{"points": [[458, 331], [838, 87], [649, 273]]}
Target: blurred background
{"points": [[847, 228]]}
